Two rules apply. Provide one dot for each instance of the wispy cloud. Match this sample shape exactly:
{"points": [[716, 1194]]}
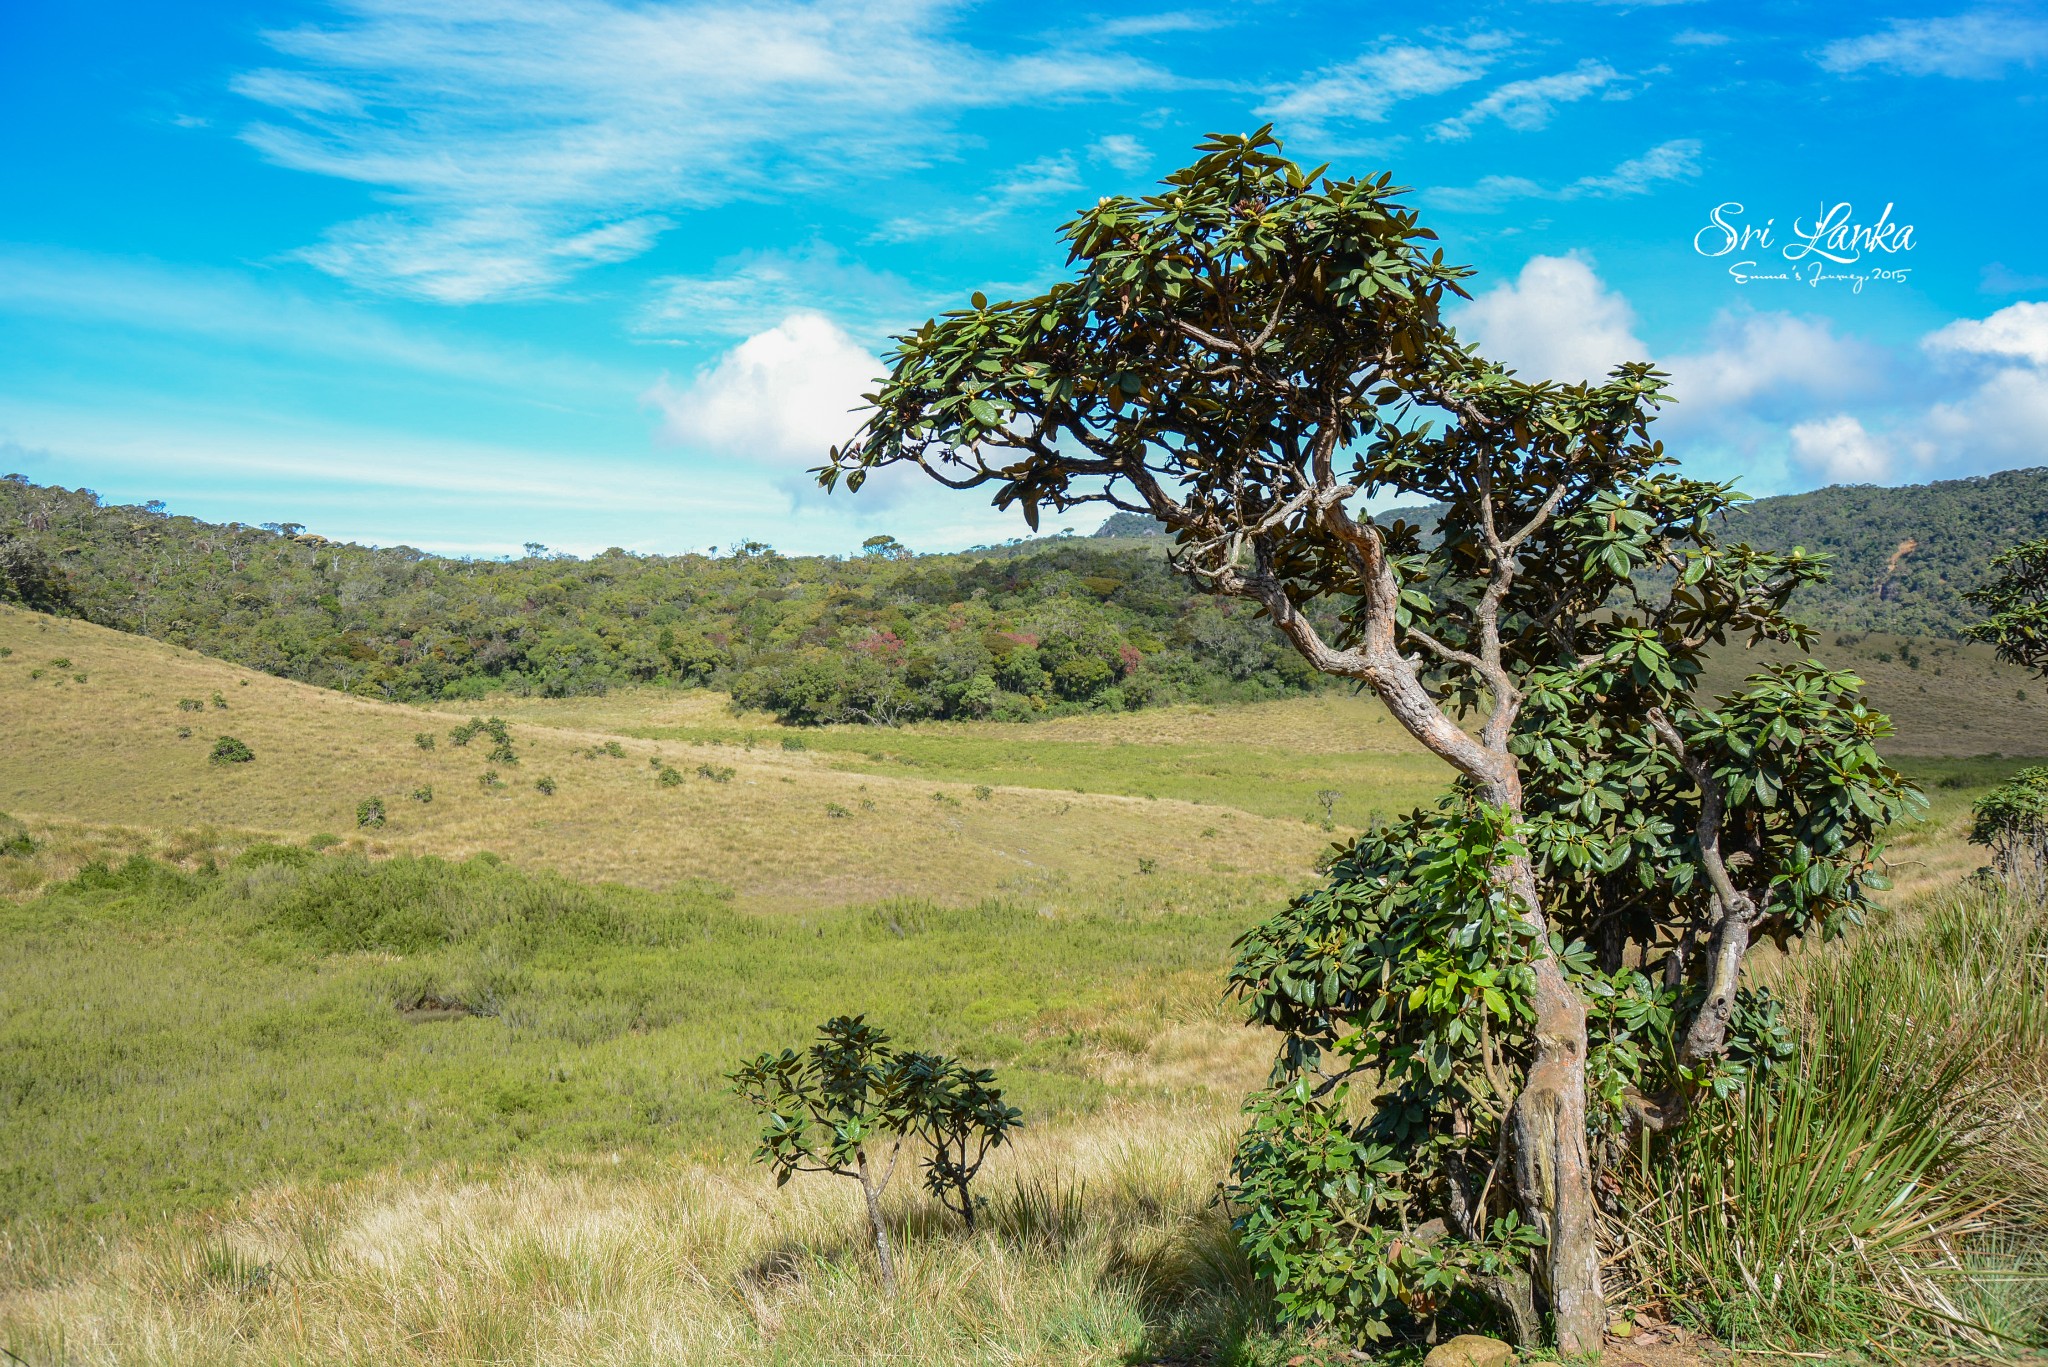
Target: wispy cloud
{"points": [[232, 310], [1122, 151], [1977, 46], [1032, 183], [521, 141], [1528, 104], [757, 290], [1368, 87], [1678, 159]]}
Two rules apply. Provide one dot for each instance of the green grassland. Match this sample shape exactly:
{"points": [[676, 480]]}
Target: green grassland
{"points": [[277, 1088], [176, 1037]]}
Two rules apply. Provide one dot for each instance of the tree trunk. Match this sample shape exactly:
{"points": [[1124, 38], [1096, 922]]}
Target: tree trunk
{"points": [[1553, 1172], [873, 1194], [1708, 1036]]}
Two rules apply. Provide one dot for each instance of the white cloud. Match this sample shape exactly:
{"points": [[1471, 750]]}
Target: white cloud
{"points": [[1555, 321], [2001, 417], [2018, 331], [1693, 37], [1770, 359], [1977, 46], [1368, 87], [1122, 151], [1997, 425], [1669, 161], [1840, 451], [520, 141], [1527, 105], [781, 397]]}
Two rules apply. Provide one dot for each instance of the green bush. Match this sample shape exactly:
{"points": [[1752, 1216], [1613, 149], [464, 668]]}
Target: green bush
{"points": [[370, 812], [793, 743], [424, 793], [220, 702], [228, 750], [668, 777], [489, 780], [717, 773], [546, 785], [191, 705], [424, 740]]}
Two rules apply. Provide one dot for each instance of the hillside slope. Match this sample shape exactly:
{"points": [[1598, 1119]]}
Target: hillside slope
{"points": [[93, 721], [1903, 557]]}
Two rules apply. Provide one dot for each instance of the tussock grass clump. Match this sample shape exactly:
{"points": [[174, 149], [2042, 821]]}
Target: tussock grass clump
{"points": [[1890, 1187], [15, 841]]}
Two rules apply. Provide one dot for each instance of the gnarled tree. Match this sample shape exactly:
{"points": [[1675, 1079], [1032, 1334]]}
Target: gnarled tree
{"points": [[1249, 356]]}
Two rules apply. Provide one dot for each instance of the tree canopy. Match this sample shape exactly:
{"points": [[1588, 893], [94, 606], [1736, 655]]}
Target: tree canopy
{"points": [[1553, 956], [2015, 600]]}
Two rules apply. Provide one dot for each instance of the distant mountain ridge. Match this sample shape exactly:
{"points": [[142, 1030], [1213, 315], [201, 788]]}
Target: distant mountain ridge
{"points": [[1903, 556]]}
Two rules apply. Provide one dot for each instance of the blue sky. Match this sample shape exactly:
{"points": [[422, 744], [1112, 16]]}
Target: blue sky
{"points": [[471, 273]]}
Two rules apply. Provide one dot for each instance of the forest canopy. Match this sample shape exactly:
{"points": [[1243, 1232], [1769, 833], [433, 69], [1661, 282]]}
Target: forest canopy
{"points": [[1057, 624]]}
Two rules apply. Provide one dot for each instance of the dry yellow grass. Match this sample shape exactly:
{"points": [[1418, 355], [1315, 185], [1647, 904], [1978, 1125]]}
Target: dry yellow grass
{"points": [[108, 750], [1091, 1231]]}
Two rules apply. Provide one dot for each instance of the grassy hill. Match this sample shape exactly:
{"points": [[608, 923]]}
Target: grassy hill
{"points": [[274, 1087], [97, 733]]}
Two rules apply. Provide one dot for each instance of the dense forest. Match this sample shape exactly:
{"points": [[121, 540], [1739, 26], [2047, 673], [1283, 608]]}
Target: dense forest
{"points": [[1055, 625]]}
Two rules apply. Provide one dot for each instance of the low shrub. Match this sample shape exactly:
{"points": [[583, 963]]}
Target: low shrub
{"points": [[424, 793], [667, 777], [191, 705], [228, 750], [850, 1102], [220, 702], [370, 813], [717, 773], [546, 785], [424, 740]]}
